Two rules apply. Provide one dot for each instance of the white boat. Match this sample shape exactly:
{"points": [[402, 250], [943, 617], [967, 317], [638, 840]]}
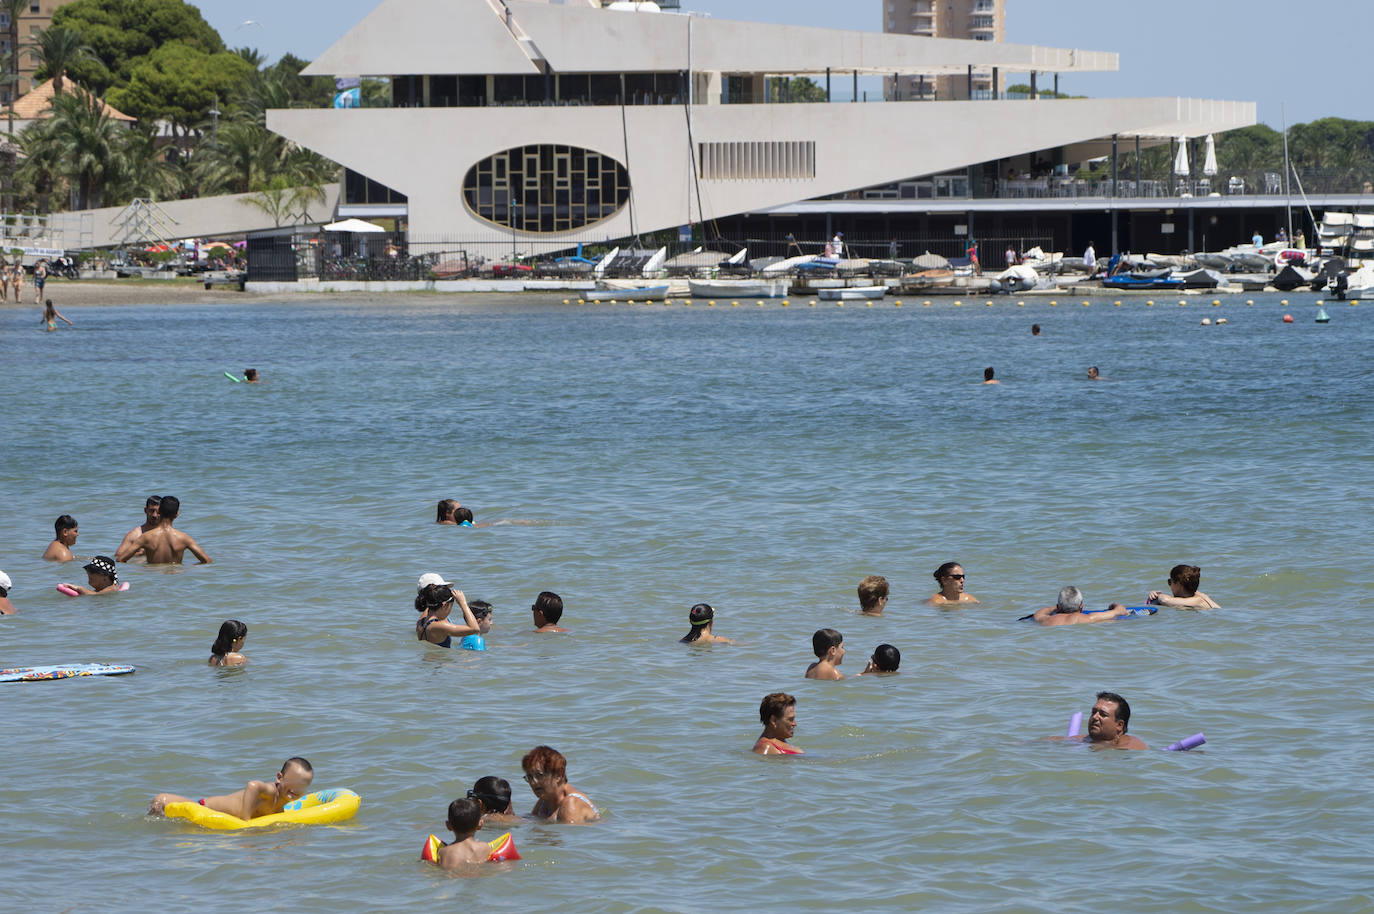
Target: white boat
{"points": [[739, 288], [655, 264], [640, 293], [1334, 219], [1361, 281], [852, 293], [788, 265]]}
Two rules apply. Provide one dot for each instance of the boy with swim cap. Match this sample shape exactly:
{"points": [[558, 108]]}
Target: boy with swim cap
{"points": [[100, 575], [257, 798], [829, 647], [464, 817]]}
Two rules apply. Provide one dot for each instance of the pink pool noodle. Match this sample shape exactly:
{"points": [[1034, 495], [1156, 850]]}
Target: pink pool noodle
{"points": [[69, 591], [1074, 723], [1183, 745]]}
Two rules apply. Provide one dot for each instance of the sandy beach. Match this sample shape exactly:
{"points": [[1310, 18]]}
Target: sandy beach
{"points": [[74, 294]]}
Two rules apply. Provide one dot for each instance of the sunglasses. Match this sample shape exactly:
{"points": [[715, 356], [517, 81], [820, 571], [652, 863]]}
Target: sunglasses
{"points": [[957, 577]]}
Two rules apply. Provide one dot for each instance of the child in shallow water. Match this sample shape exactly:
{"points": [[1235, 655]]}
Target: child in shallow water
{"points": [[101, 577], [225, 650], [464, 817]]}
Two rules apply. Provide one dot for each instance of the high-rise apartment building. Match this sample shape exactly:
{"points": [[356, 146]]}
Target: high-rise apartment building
{"points": [[33, 17], [979, 20]]}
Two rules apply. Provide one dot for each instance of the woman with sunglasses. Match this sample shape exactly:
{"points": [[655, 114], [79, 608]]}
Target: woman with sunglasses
{"points": [[950, 577], [546, 771]]}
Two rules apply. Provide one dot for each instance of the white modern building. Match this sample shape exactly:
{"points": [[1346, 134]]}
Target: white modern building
{"points": [[547, 122]]}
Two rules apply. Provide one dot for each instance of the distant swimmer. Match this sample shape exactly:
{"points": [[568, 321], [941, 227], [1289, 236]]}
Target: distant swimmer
{"points": [[702, 617], [546, 771], [51, 316], [101, 577], [989, 376], [873, 593], [493, 794], [164, 544], [228, 644], [1035, 329], [950, 577], [828, 645], [149, 523], [464, 818], [6, 585], [1183, 590], [547, 610], [778, 712], [65, 532], [250, 375], [885, 659], [1069, 610], [1108, 723], [434, 602], [462, 516], [446, 508], [257, 798]]}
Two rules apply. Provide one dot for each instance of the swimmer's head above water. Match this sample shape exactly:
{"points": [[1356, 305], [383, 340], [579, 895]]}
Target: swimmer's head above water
{"points": [[1070, 601], [700, 616], [493, 793], [873, 593]]}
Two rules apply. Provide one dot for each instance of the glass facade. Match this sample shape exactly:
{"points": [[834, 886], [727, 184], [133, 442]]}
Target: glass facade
{"points": [[546, 189]]}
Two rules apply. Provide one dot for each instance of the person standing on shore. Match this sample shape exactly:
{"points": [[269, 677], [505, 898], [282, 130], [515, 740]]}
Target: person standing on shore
{"points": [[40, 278], [1090, 259], [17, 278]]}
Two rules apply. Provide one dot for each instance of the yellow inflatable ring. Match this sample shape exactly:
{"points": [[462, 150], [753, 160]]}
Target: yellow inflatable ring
{"points": [[323, 807]]}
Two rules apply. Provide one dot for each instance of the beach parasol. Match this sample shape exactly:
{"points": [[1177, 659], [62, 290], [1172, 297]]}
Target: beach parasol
{"points": [[353, 225], [1209, 165], [1181, 160], [215, 245]]}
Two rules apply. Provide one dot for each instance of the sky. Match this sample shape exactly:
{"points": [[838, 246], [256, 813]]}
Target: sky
{"points": [[1301, 61]]}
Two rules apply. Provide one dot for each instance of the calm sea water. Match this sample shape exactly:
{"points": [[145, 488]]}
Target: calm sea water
{"points": [[760, 459]]}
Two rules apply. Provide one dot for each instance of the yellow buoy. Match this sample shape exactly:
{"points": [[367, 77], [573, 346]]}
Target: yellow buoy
{"points": [[760, 304], [710, 304], [1117, 303], [989, 304], [1320, 302], [1182, 303], [958, 304], [926, 303], [1086, 303], [1250, 302], [868, 304], [898, 304], [1216, 303], [735, 303], [1020, 304], [1054, 304], [785, 304], [1284, 302], [813, 304], [579, 301], [1150, 303], [565, 301]]}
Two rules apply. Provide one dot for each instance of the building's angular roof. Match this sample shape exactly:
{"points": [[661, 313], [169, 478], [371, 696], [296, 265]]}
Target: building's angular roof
{"points": [[36, 104]]}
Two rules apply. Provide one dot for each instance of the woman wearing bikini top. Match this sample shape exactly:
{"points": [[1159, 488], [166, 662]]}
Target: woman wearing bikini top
{"points": [[434, 602]]}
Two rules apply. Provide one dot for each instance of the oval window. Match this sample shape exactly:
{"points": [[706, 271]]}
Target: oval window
{"points": [[546, 189]]}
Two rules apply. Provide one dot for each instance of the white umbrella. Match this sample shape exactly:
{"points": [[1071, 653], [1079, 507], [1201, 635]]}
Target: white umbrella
{"points": [[1209, 163], [1181, 160], [353, 225]]}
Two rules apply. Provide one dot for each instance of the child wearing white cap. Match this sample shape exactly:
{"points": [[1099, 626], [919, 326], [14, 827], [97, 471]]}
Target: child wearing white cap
{"points": [[6, 607]]}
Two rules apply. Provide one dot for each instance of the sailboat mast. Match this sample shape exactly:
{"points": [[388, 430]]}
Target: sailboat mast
{"points": [[1287, 186]]}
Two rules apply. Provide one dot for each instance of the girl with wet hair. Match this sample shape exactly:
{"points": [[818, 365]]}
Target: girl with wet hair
{"points": [[225, 650], [446, 508], [702, 616]]}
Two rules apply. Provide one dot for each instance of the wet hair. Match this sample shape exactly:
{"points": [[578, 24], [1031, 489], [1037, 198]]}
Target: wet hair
{"points": [[169, 507], [1123, 708], [872, 589], [229, 632], [1070, 600], [1189, 577], [462, 514], [701, 617], [480, 608], [550, 605], [546, 759], [492, 792], [433, 596], [65, 522], [464, 815], [944, 571], [446, 507], [823, 640], [887, 658], [1035, 329], [250, 373], [152, 500], [300, 763], [774, 705], [988, 373]]}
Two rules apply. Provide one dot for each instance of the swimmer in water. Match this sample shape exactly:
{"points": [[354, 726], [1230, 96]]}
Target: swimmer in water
{"points": [[164, 544], [250, 375], [101, 577], [1094, 374], [446, 508], [434, 603], [493, 794], [873, 595], [51, 316], [778, 713], [6, 585], [547, 609], [464, 818], [1107, 724], [950, 577], [829, 647], [150, 522], [702, 617], [462, 516], [257, 798], [989, 376], [1069, 610], [546, 773], [885, 659], [65, 531], [228, 643], [1183, 590]]}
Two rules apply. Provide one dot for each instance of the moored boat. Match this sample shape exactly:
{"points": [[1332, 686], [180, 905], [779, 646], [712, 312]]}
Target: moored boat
{"points": [[639, 293], [739, 288], [852, 293]]}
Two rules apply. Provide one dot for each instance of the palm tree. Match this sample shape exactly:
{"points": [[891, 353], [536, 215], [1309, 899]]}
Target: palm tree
{"points": [[56, 50], [243, 157], [12, 9], [81, 143], [147, 172]]}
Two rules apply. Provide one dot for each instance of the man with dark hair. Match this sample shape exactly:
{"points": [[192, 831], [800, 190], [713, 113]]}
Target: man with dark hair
{"points": [[150, 515], [164, 544], [65, 532], [547, 609], [1183, 590], [1107, 725]]}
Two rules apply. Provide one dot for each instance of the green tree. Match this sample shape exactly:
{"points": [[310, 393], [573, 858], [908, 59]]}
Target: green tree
{"points": [[78, 144], [179, 83], [243, 156], [283, 202], [57, 50], [123, 32], [12, 9], [147, 173], [795, 89]]}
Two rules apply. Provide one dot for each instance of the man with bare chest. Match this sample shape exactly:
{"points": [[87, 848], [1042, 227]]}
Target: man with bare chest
{"points": [[164, 544]]}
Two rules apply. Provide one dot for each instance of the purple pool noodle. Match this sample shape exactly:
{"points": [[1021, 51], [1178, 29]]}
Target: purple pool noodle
{"points": [[1074, 723], [1183, 745]]}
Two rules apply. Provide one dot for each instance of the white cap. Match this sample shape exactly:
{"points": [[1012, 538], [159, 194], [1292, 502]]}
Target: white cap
{"points": [[430, 578], [5, 581]]}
